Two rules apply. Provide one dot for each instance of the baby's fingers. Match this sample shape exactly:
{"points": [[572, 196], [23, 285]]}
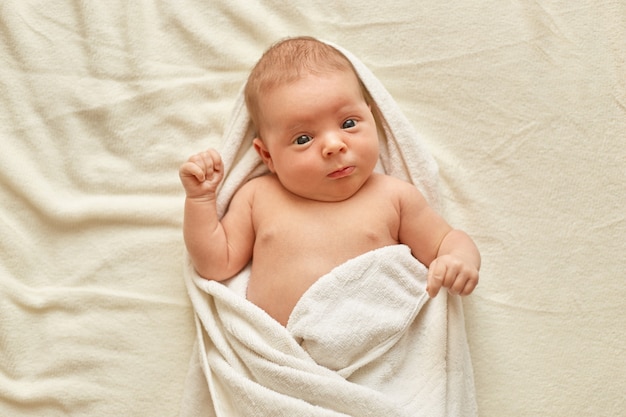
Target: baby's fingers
{"points": [[218, 165], [192, 169], [205, 166], [211, 162], [452, 273], [466, 282], [436, 275]]}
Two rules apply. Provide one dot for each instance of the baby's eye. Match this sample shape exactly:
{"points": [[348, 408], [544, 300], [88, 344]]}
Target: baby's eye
{"points": [[302, 139], [348, 124]]}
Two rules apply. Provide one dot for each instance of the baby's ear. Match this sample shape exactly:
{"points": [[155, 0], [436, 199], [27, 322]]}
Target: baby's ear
{"points": [[264, 153]]}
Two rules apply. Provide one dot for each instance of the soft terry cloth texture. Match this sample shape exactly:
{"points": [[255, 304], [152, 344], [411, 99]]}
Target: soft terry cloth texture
{"points": [[364, 340], [368, 320], [521, 103]]}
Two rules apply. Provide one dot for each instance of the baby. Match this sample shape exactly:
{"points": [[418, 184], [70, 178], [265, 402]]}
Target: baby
{"points": [[321, 203]]}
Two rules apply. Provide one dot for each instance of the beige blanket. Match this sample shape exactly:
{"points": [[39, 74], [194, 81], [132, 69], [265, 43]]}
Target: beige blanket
{"points": [[521, 103]]}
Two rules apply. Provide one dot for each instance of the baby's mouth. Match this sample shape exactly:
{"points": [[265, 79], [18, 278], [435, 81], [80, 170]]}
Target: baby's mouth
{"points": [[342, 172]]}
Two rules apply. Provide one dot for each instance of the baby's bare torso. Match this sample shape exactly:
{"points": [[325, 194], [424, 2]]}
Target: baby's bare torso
{"points": [[300, 240]]}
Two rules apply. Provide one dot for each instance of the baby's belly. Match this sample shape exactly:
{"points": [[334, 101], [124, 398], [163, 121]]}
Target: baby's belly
{"points": [[284, 269], [278, 289]]}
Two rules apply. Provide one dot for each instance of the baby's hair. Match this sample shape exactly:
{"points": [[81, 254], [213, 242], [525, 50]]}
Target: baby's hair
{"points": [[287, 61]]}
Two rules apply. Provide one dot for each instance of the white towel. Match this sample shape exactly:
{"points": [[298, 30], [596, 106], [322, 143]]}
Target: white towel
{"points": [[364, 340]]}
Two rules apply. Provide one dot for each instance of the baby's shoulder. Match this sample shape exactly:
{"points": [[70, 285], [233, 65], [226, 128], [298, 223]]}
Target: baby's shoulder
{"points": [[266, 184], [262, 182], [392, 184], [396, 189]]}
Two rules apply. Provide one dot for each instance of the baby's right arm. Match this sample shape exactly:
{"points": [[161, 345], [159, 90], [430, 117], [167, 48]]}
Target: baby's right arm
{"points": [[218, 250]]}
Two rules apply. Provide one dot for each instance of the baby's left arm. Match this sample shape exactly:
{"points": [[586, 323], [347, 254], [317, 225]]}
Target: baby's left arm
{"points": [[452, 257]]}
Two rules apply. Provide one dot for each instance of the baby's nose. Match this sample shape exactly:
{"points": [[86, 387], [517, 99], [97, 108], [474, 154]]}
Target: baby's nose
{"points": [[333, 144]]}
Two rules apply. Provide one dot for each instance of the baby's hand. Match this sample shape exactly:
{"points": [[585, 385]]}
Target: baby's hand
{"points": [[453, 273], [201, 174]]}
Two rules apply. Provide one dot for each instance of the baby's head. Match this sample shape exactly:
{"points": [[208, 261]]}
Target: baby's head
{"points": [[316, 129], [288, 61]]}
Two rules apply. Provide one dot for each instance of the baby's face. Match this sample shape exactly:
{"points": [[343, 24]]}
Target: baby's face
{"points": [[318, 135]]}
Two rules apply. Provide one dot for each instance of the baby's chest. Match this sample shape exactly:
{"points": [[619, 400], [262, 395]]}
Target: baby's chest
{"points": [[328, 229]]}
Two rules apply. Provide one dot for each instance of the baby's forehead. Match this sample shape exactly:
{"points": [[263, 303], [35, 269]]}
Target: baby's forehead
{"points": [[322, 74], [282, 78], [321, 71], [319, 85]]}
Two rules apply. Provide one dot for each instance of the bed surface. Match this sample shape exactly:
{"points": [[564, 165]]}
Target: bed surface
{"points": [[522, 104]]}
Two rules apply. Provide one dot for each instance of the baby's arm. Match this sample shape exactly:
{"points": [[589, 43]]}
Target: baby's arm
{"points": [[218, 250], [456, 265], [452, 257]]}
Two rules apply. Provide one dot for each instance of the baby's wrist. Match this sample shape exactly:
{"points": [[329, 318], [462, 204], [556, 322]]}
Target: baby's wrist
{"points": [[209, 198]]}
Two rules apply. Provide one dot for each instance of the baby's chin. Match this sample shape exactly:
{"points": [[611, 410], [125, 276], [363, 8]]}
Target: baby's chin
{"points": [[331, 194]]}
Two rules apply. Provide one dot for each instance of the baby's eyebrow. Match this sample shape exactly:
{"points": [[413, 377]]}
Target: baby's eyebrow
{"points": [[349, 108], [299, 121], [296, 127]]}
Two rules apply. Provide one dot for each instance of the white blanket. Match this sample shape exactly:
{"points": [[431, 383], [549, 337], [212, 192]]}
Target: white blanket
{"points": [[364, 340]]}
